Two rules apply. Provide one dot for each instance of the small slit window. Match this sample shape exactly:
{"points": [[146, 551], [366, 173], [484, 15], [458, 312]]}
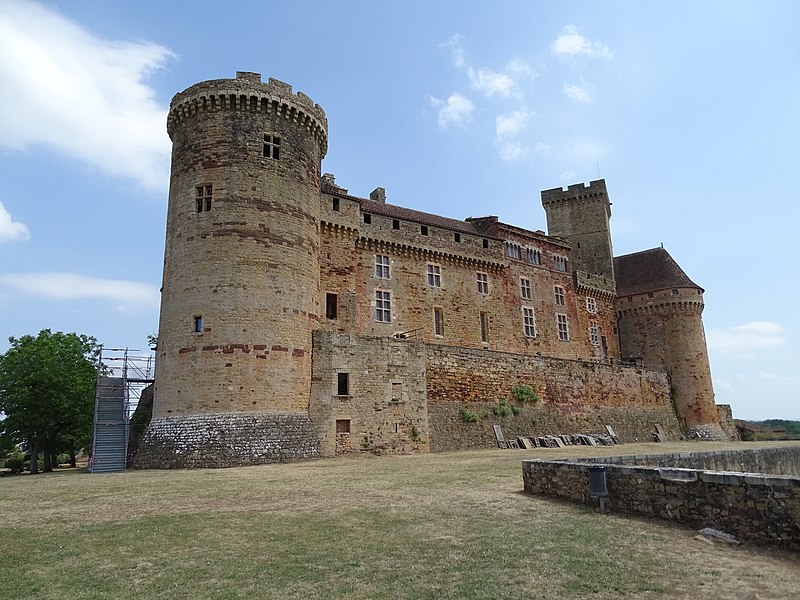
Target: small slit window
{"points": [[457, 237], [198, 324], [335, 204], [395, 224], [485, 243], [367, 218], [438, 321], [423, 229]]}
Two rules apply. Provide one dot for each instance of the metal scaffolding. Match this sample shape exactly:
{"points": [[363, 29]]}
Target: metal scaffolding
{"points": [[122, 374]]}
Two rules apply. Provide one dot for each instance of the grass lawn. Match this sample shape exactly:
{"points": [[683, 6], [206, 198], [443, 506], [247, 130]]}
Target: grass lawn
{"points": [[453, 525]]}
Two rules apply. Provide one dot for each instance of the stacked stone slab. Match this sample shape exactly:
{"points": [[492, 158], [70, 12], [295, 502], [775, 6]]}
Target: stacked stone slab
{"points": [[240, 293]]}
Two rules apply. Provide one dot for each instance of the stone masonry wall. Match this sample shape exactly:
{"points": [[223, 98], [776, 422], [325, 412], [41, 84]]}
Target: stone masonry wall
{"points": [[384, 405], [226, 440], [574, 397], [761, 509]]}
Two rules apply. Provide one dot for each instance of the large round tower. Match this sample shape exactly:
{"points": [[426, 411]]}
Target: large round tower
{"points": [[659, 312], [240, 293]]}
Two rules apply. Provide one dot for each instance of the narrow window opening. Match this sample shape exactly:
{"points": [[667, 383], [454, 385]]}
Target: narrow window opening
{"points": [[438, 321], [336, 204], [198, 324], [367, 218], [528, 321], [591, 305], [343, 384], [484, 327], [423, 229], [563, 328], [457, 237], [331, 305], [559, 295], [525, 288], [485, 243], [395, 224]]}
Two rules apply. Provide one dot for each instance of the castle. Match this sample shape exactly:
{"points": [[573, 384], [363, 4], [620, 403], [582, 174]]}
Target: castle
{"points": [[298, 320]]}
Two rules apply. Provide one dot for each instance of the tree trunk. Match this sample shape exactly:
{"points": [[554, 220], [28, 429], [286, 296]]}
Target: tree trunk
{"points": [[72, 462], [48, 465], [34, 463]]}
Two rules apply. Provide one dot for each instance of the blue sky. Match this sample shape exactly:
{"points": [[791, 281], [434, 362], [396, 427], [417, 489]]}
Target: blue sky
{"points": [[689, 110]]}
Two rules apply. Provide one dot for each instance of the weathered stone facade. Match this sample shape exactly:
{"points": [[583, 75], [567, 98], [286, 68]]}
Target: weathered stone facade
{"points": [[267, 263]]}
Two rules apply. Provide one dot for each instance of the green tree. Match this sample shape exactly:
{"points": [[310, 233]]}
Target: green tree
{"points": [[47, 393]]}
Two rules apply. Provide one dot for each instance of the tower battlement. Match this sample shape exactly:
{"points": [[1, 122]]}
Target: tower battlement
{"points": [[579, 191], [248, 93]]}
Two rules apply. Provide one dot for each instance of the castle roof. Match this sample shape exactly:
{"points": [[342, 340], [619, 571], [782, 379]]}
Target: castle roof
{"points": [[649, 271]]}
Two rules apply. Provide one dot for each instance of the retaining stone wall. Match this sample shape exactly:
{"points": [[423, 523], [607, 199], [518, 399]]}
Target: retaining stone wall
{"points": [[226, 440], [762, 509]]}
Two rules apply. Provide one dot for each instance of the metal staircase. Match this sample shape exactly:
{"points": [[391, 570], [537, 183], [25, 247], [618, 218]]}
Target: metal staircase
{"points": [[121, 377]]}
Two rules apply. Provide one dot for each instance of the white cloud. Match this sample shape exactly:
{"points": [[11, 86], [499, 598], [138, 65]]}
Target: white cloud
{"points": [[491, 83], [11, 230], [456, 50], [507, 128], [571, 43], [455, 111], [81, 95], [129, 295], [587, 151], [579, 93], [750, 336]]}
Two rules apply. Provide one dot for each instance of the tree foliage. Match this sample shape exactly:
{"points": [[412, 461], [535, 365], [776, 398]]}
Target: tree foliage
{"points": [[47, 392]]}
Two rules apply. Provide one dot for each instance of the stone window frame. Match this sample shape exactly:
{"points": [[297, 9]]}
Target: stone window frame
{"points": [[434, 275], [525, 288], [482, 282], [562, 325], [529, 321], [271, 146], [383, 306], [383, 266], [423, 230], [560, 295], [203, 195], [594, 334], [534, 256], [438, 321], [513, 250], [591, 305], [560, 263], [368, 218]]}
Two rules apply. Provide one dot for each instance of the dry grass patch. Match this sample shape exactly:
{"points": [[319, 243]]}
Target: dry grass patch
{"points": [[430, 526]]}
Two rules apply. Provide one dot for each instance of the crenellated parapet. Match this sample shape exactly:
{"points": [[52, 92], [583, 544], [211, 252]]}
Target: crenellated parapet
{"points": [[596, 190], [248, 93]]}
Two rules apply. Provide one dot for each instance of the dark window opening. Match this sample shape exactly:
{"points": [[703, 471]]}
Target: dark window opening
{"points": [[457, 237], [272, 146], [331, 305], [395, 224], [336, 204], [343, 384], [367, 218], [423, 229], [198, 324], [203, 195], [342, 425], [438, 321], [484, 327], [485, 243]]}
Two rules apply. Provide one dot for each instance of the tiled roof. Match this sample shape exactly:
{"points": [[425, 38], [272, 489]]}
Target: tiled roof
{"points": [[415, 216], [649, 271]]}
